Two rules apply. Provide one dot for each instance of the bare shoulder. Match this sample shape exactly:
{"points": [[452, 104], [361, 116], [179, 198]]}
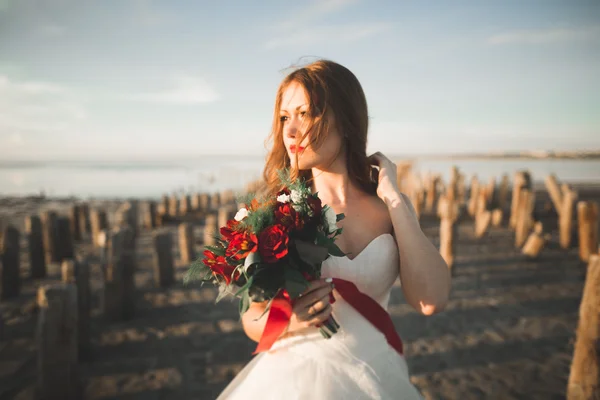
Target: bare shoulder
{"points": [[380, 215]]}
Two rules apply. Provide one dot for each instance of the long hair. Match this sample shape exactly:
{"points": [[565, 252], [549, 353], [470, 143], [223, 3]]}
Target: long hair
{"points": [[332, 89]]}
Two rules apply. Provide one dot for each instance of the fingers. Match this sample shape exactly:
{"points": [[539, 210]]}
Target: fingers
{"points": [[378, 158], [315, 285], [314, 308], [321, 316]]}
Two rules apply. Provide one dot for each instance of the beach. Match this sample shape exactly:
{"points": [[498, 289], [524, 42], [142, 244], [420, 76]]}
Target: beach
{"points": [[507, 333]]}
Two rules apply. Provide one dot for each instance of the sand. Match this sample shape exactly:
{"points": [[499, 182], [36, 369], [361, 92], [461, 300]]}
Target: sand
{"points": [[507, 332]]}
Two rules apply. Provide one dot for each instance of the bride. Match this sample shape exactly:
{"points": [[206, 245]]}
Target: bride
{"points": [[320, 133]]}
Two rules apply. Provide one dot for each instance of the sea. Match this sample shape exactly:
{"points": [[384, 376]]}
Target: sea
{"points": [[143, 179]]}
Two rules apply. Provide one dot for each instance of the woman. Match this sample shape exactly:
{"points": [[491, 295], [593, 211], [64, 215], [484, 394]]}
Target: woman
{"points": [[320, 133]]}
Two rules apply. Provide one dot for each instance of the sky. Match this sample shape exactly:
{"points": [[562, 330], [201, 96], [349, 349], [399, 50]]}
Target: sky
{"points": [[165, 79]]}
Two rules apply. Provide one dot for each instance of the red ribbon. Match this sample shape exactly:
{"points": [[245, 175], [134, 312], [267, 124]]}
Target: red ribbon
{"points": [[279, 318], [281, 312]]}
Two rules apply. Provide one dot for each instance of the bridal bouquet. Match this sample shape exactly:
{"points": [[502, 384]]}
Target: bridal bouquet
{"points": [[270, 251]]}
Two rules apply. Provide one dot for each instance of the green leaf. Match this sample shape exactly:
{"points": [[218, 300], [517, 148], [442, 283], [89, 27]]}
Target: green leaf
{"points": [[339, 217], [311, 253], [328, 243], [244, 304], [223, 292], [295, 283], [245, 287], [267, 308]]}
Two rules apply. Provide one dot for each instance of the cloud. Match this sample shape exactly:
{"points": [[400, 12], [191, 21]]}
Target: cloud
{"points": [[318, 9], [36, 107], [327, 34], [301, 29], [52, 30], [542, 36], [185, 89]]}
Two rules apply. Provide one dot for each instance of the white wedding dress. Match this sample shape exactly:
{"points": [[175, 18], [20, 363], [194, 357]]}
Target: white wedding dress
{"points": [[356, 363]]}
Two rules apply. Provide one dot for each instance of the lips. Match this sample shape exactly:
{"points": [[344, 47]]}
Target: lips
{"points": [[294, 149]]}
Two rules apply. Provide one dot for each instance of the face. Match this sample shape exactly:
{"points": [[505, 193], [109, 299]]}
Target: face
{"points": [[294, 117]]}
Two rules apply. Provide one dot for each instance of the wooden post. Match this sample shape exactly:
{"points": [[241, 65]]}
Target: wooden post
{"points": [[503, 193], [185, 205], [65, 240], [522, 181], [225, 214], [553, 189], [186, 243], [447, 244], [50, 236], [10, 280], [120, 273], [431, 193], [78, 273], [173, 206], [164, 272], [524, 217], [35, 244], [584, 377], [482, 223], [535, 242], [565, 219], [99, 222], [150, 220], [196, 200], [587, 217], [127, 215], [85, 225], [211, 229], [57, 348], [74, 216], [473, 197], [215, 201], [497, 217]]}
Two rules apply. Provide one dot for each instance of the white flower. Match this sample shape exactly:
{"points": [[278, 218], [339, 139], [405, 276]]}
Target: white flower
{"points": [[331, 219], [241, 214], [283, 198], [296, 196]]}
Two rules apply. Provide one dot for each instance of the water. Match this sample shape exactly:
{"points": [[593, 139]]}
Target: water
{"points": [[210, 174]]}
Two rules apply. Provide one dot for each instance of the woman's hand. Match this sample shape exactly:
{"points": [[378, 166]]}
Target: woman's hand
{"points": [[312, 307], [387, 181]]}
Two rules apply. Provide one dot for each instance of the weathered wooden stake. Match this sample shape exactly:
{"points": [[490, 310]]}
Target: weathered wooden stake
{"points": [[99, 222], [149, 217], [473, 197], [565, 219], [74, 216], [78, 273], [226, 213], [503, 193], [497, 217], [119, 289], [587, 217], [164, 272], [584, 377], [211, 229], [65, 240], [85, 225], [553, 189], [173, 206], [186, 243], [447, 234], [35, 244], [50, 235], [535, 242], [185, 207], [10, 280], [57, 344], [524, 216]]}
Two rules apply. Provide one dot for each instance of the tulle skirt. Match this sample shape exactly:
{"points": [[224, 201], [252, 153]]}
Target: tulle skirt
{"points": [[357, 365]]}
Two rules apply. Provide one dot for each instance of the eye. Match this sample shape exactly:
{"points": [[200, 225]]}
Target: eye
{"points": [[283, 118], [302, 114]]}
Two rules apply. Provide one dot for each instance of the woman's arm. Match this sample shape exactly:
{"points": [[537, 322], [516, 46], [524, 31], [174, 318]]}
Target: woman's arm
{"points": [[424, 274]]}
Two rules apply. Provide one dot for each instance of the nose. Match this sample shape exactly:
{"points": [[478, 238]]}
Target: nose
{"points": [[291, 129]]}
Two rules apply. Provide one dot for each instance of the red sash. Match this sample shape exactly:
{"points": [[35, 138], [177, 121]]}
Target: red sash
{"points": [[281, 312]]}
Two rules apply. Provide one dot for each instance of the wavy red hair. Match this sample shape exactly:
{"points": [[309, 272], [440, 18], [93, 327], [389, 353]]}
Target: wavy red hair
{"points": [[334, 90]]}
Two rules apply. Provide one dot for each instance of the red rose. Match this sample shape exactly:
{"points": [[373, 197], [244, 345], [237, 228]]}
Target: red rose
{"points": [[273, 243], [315, 205], [219, 266], [229, 231], [242, 244], [288, 217]]}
